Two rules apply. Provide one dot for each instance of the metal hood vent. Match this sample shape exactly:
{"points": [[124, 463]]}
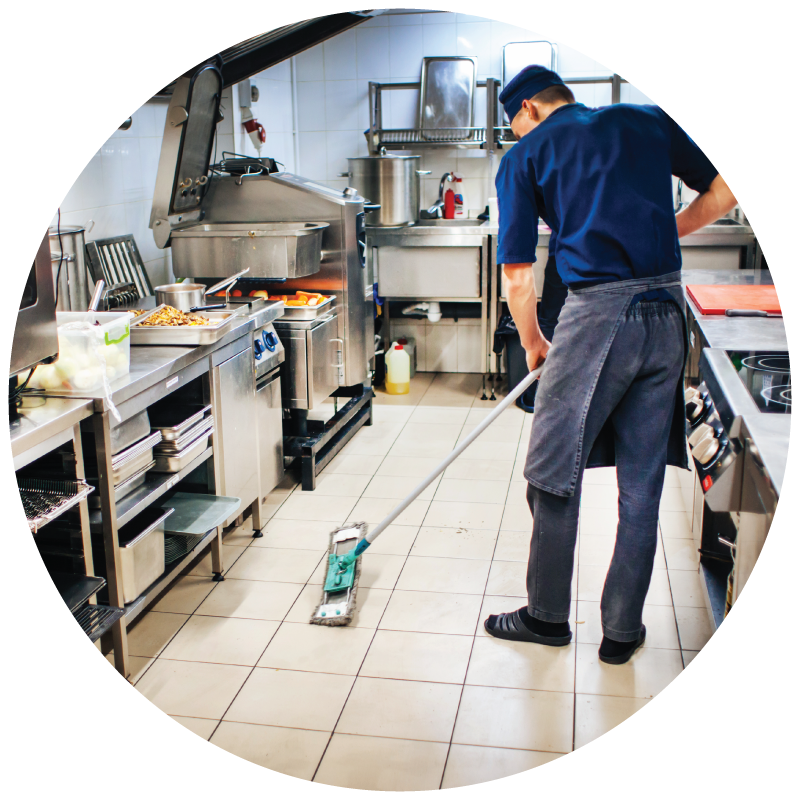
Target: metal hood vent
{"points": [[254, 55]]}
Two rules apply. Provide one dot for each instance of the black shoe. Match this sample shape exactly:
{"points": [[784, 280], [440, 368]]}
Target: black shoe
{"points": [[513, 627], [614, 652]]}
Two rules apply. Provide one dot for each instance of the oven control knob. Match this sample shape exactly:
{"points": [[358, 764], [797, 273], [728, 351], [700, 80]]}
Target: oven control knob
{"points": [[706, 450], [700, 434], [270, 340], [258, 348]]}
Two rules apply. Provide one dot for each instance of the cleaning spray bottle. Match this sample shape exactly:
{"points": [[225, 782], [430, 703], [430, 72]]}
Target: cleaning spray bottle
{"points": [[398, 370]]}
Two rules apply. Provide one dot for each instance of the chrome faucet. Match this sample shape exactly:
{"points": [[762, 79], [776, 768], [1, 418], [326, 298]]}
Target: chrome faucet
{"points": [[435, 211]]}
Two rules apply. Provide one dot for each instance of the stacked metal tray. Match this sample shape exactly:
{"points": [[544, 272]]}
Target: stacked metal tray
{"points": [[309, 312], [184, 437]]}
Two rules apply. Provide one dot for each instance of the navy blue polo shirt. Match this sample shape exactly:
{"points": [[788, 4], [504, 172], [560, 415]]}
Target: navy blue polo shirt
{"points": [[601, 178]]}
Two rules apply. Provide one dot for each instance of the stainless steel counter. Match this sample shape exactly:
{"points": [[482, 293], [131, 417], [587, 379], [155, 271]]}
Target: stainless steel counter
{"points": [[770, 435], [44, 424], [151, 365], [735, 333]]}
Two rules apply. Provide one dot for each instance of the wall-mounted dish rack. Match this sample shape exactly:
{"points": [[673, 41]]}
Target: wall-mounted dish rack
{"points": [[494, 136]]}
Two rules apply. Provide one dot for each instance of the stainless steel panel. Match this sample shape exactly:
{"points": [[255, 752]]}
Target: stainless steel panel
{"points": [[266, 249], [235, 420], [311, 371], [447, 96], [142, 557], [429, 272], [68, 255], [36, 336], [270, 433], [341, 271], [759, 502]]}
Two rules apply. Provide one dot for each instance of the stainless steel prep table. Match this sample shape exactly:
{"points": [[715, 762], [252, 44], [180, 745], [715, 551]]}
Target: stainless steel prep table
{"points": [[155, 373], [45, 424]]}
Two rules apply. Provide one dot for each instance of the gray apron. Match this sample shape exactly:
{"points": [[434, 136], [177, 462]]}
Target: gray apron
{"points": [[586, 329]]}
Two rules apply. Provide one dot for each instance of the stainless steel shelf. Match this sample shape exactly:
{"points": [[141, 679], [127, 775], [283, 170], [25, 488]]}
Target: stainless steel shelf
{"points": [[143, 601], [156, 485]]}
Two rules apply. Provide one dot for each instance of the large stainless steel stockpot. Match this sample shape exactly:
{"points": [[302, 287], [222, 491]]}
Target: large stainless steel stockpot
{"points": [[393, 182]]}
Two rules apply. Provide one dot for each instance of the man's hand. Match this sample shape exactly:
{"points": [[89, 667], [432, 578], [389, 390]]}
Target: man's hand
{"points": [[536, 356]]}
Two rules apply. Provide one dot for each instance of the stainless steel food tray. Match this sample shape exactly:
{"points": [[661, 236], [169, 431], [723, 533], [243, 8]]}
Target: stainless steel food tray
{"points": [[190, 336], [170, 433], [130, 467], [447, 96], [308, 312], [136, 449], [178, 462], [177, 446], [123, 489]]}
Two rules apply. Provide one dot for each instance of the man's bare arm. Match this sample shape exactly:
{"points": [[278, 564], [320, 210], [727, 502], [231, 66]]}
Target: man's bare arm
{"points": [[521, 295], [706, 208]]}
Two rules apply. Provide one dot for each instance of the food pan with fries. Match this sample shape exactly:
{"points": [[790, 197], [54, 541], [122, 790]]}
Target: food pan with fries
{"points": [[304, 305], [165, 325]]}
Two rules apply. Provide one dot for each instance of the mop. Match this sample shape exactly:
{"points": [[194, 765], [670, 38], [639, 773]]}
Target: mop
{"points": [[349, 541]]}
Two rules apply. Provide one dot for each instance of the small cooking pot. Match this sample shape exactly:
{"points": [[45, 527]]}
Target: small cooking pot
{"points": [[191, 296]]}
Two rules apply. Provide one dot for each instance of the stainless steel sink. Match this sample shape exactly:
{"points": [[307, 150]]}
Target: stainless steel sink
{"points": [[450, 223]]}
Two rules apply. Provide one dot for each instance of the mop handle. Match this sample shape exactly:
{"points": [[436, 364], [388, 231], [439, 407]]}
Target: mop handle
{"points": [[417, 491]]}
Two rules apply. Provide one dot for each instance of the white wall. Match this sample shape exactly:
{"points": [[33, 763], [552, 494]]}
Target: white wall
{"points": [[333, 100], [115, 190]]}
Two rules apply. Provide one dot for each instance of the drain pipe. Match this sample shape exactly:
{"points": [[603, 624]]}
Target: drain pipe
{"points": [[432, 309]]}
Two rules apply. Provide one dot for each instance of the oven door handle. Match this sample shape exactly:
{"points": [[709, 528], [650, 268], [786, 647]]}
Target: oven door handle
{"points": [[339, 364]]}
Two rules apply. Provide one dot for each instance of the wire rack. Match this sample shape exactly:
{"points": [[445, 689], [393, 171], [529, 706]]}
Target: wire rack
{"points": [[44, 501], [431, 136], [178, 545], [96, 620]]}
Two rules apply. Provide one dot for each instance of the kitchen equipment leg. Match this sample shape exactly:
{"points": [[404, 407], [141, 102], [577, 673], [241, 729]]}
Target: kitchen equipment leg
{"points": [[484, 305], [83, 508], [217, 563], [108, 508]]}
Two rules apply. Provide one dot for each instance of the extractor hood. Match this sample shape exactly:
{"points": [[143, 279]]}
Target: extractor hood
{"points": [[254, 55]]}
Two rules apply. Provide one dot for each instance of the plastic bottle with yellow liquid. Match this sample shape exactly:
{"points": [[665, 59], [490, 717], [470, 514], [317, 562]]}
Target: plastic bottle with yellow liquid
{"points": [[398, 370]]}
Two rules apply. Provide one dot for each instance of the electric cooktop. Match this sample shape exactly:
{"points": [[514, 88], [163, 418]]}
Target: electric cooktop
{"points": [[767, 377]]}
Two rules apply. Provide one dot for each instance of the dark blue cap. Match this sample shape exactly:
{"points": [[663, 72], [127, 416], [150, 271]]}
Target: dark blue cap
{"points": [[523, 86]]}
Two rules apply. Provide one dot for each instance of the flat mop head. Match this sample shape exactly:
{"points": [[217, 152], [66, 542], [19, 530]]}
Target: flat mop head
{"points": [[341, 582]]}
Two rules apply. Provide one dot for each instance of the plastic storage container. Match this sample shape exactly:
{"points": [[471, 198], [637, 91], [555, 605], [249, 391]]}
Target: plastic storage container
{"points": [[87, 353], [398, 370], [410, 346]]}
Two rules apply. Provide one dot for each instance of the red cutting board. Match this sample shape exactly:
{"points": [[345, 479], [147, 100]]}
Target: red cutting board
{"points": [[716, 299]]}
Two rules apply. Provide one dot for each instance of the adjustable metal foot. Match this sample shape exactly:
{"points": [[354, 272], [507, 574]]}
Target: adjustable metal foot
{"points": [[217, 577], [483, 396], [258, 535]]}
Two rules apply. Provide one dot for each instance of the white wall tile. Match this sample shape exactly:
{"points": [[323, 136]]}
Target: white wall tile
{"points": [[439, 18], [341, 145], [405, 52], [381, 21], [470, 18], [88, 190], [402, 20], [158, 271], [313, 155], [341, 105], [160, 108], [630, 94], [403, 108], [137, 218], [311, 106], [279, 72], [441, 348], [149, 153], [475, 39], [144, 121], [469, 347], [340, 57], [372, 52], [310, 64], [113, 185], [439, 40]]}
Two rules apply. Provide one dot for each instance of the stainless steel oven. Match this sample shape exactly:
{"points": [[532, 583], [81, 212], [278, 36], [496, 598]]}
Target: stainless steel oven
{"points": [[36, 337]]}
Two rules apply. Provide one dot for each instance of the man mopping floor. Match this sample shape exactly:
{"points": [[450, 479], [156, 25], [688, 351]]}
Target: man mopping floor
{"points": [[611, 393]]}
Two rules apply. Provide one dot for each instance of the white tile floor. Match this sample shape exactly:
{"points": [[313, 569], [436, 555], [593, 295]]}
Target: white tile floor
{"points": [[413, 694]]}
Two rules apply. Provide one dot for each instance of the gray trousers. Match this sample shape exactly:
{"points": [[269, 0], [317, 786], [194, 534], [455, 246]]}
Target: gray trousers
{"points": [[635, 393]]}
